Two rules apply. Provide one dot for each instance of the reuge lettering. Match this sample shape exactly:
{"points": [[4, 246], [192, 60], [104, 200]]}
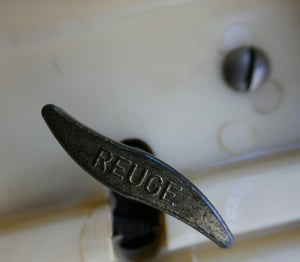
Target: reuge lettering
{"points": [[127, 171]]}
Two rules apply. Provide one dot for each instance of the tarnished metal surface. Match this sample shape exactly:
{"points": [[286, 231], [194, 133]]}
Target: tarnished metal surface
{"points": [[137, 175], [246, 69]]}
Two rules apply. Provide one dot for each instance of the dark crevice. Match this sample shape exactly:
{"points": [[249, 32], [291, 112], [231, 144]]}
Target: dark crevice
{"points": [[134, 224], [137, 143]]}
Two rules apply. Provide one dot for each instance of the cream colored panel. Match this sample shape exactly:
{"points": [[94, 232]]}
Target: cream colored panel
{"points": [[78, 233], [148, 69], [282, 246], [255, 197]]}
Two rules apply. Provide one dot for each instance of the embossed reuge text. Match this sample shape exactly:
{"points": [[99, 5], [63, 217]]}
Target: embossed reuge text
{"points": [[128, 171]]}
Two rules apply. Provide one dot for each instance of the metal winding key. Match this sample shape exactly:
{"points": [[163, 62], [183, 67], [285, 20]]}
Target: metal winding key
{"points": [[137, 175]]}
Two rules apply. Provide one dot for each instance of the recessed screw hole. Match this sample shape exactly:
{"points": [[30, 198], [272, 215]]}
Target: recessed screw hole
{"points": [[135, 225]]}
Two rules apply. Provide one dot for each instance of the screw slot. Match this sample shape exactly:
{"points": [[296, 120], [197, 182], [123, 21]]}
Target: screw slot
{"points": [[245, 69]]}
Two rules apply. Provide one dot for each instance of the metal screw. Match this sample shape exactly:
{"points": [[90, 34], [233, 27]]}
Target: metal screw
{"points": [[245, 69]]}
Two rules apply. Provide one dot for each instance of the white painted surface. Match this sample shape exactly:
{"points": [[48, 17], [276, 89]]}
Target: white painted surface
{"points": [[147, 69]]}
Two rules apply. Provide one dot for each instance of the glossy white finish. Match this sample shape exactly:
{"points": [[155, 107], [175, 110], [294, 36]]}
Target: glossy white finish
{"points": [[278, 246], [253, 198], [148, 69], [78, 233]]}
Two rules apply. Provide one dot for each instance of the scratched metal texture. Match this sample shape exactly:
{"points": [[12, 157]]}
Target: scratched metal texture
{"points": [[137, 175]]}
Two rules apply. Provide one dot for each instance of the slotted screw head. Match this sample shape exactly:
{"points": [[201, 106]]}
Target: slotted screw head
{"points": [[245, 69]]}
